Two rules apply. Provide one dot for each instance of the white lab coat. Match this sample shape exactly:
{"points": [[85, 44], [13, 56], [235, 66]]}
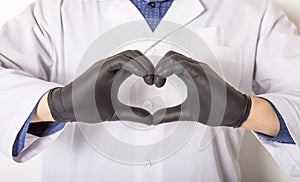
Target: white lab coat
{"points": [[256, 46]]}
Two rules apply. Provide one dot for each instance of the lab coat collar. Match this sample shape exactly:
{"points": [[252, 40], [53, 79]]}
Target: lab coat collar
{"points": [[181, 11]]}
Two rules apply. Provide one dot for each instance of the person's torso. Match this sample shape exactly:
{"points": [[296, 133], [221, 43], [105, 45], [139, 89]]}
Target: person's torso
{"points": [[224, 36]]}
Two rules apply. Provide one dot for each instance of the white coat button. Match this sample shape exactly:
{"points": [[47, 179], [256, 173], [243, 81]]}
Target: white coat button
{"points": [[148, 105], [147, 165]]}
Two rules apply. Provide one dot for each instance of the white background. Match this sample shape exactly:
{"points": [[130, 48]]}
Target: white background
{"points": [[256, 163]]}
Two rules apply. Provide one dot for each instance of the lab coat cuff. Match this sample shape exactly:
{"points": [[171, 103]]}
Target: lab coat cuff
{"points": [[286, 155], [39, 88], [288, 113]]}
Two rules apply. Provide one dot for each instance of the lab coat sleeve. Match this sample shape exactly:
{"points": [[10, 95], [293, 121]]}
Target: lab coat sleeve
{"points": [[277, 79], [26, 58]]}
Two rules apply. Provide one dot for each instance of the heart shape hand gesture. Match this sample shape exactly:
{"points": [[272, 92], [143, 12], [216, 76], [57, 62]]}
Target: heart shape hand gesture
{"points": [[208, 94]]}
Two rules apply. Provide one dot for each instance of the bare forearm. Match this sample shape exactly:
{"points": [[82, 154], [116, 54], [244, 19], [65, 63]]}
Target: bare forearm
{"points": [[262, 118], [42, 112]]}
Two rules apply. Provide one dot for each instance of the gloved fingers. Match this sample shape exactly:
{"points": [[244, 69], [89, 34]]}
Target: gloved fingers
{"points": [[174, 63], [133, 114], [171, 114], [121, 62], [172, 67], [144, 62], [141, 58], [177, 56], [187, 63]]}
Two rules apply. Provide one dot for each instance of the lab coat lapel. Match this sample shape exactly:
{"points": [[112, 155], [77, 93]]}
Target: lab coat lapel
{"points": [[122, 10], [183, 11]]}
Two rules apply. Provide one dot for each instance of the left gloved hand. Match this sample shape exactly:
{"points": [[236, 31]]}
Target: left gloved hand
{"points": [[220, 103], [93, 96]]}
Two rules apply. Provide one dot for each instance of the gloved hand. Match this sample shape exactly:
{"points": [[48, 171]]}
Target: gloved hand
{"points": [[97, 90], [227, 106]]}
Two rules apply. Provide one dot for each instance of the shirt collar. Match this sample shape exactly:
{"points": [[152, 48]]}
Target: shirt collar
{"points": [[177, 13]]}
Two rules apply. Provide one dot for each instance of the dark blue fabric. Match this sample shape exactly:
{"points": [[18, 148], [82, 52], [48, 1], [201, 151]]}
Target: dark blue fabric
{"points": [[44, 129], [283, 135], [153, 15], [20, 139]]}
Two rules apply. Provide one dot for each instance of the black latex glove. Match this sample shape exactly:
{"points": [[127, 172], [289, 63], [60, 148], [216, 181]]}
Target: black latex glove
{"points": [[97, 90], [228, 107]]}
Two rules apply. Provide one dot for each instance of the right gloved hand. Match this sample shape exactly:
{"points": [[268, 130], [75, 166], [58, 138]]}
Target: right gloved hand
{"points": [[97, 90], [210, 99]]}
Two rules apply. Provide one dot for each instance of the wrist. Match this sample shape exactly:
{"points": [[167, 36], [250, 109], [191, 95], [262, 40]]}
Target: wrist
{"points": [[42, 112], [262, 118]]}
